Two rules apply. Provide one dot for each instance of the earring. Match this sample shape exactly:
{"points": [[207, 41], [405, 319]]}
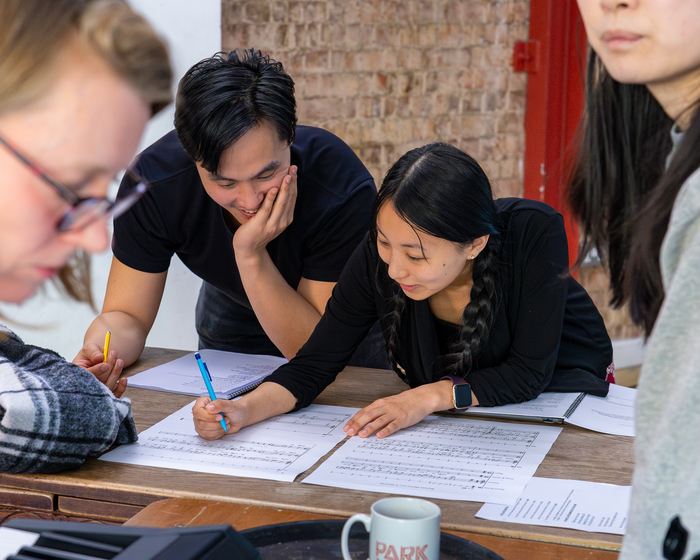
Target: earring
{"points": [[472, 257]]}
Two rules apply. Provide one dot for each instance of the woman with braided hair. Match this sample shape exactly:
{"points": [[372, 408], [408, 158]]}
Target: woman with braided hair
{"points": [[469, 292]]}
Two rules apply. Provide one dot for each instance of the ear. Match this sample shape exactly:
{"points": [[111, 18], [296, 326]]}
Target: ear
{"points": [[478, 245]]}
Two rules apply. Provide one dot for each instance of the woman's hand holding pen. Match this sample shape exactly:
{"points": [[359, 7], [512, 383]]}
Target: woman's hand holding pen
{"points": [[268, 400], [388, 415], [207, 417], [91, 357]]}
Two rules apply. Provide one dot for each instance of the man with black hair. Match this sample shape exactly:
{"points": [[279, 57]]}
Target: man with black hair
{"points": [[264, 211]]}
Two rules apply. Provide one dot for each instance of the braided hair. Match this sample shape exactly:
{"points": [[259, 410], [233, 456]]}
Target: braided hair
{"points": [[443, 192]]}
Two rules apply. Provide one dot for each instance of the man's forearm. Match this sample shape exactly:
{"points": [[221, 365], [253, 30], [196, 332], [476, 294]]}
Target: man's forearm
{"points": [[287, 318]]}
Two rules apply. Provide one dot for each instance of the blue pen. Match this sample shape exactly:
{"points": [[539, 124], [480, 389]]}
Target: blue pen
{"points": [[207, 381]]}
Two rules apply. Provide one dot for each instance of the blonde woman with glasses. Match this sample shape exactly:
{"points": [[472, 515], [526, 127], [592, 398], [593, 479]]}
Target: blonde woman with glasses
{"points": [[79, 79]]}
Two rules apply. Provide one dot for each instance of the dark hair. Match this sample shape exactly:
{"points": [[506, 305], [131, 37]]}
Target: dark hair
{"points": [[620, 190], [440, 190], [223, 97]]}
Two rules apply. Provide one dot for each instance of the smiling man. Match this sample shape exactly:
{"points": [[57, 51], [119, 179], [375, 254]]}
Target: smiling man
{"points": [[265, 212]]}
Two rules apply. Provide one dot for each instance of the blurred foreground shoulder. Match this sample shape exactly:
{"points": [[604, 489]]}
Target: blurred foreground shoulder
{"points": [[54, 414]]}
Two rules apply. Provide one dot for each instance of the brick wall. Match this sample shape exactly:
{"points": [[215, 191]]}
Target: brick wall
{"points": [[596, 280], [388, 76]]}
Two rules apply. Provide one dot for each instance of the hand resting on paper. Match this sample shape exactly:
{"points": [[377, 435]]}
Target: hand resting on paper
{"points": [[268, 400], [91, 358], [390, 414]]}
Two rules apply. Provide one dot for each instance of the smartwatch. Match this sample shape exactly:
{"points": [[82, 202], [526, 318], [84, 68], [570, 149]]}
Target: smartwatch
{"points": [[461, 392]]}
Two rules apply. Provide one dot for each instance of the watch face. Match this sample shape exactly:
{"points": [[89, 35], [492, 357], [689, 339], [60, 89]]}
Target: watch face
{"points": [[462, 395]]}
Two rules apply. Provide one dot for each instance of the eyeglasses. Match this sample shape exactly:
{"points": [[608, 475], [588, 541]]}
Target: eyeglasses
{"points": [[84, 211]]}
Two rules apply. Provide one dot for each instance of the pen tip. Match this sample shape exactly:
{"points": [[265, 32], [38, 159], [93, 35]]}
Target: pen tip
{"points": [[197, 356]]}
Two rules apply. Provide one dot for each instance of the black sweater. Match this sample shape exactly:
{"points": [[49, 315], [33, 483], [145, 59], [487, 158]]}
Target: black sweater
{"points": [[547, 334]]}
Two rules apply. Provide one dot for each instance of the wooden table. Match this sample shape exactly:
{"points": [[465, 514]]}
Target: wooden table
{"points": [[116, 492]]}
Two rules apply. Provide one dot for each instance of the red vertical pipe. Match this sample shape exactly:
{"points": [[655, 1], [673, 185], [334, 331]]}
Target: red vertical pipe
{"points": [[554, 104]]}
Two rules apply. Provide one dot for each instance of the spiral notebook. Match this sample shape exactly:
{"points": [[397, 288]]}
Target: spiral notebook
{"points": [[552, 408], [613, 414], [232, 374]]}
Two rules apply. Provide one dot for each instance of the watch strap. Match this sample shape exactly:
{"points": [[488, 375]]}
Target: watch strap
{"points": [[456, 379]]}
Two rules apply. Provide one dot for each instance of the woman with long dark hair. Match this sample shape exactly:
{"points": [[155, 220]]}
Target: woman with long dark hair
{"points": [[472, 295], [636, 190]]}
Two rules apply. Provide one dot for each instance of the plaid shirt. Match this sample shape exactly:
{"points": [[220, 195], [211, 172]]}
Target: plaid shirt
{"points": [[53, 414]]}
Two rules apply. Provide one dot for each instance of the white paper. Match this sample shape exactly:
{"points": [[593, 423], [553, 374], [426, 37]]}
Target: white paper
{"points": [[276, 449], [448, 458], [572, 504], [11, 540], [613, 414], [229, 371], [546, 405]]}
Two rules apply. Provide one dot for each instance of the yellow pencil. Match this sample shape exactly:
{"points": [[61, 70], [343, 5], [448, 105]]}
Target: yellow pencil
{"points": [[107, 337]]}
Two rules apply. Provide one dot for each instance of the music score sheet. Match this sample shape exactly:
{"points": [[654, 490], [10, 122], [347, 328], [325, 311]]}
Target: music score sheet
{"points": [[448, 458], [277, 449]]}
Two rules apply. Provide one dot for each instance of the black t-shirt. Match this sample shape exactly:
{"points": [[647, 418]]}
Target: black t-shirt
{"points": [[547, 334], [176, 216]]}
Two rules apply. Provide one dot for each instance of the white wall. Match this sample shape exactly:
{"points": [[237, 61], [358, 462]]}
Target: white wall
{"points": [[193, 32]]}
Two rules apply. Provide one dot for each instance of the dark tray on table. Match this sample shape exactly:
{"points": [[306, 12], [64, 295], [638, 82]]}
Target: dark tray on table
{"points": [[320, 540]]}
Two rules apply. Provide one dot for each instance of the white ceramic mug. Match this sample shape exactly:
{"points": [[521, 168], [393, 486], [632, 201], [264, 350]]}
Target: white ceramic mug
{"points": [[399, 528]]}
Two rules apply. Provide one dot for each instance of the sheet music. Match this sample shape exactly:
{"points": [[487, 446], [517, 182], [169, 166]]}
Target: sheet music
{"points": [[613, 414], [276, 449], [230, 371], [449, 458], [572, 504]]}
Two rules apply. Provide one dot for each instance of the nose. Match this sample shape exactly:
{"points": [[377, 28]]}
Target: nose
{"points": [[248, 197], [612, 5], [396, 269], [94, 238]]}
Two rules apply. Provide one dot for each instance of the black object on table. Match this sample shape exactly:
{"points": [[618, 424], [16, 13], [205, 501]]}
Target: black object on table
{"points": [[63, 540], [320, 540]]}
